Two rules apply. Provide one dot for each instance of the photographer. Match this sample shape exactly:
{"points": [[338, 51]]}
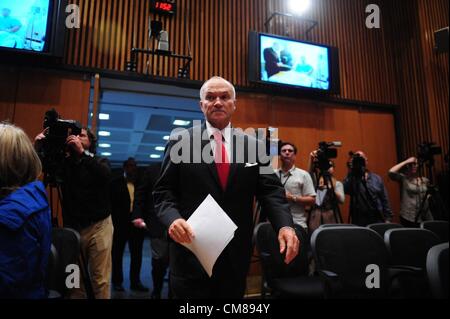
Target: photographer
{"points": [[297, 183], [414, 188], [369, 201], [326, 209], [84, 181]]}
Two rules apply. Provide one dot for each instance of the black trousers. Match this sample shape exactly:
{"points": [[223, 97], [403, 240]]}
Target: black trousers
{"points": [[135, 239]]}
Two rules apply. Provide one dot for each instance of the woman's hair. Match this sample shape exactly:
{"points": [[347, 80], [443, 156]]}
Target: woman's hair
{"points": [[19, 162]]}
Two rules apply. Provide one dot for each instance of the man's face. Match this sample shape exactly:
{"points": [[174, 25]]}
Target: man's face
{"points": [[287, 154], [130, 169], [218, 104], [84, 139]]}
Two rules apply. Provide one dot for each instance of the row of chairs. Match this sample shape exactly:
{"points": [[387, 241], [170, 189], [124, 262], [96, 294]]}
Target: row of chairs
{"points": [[378, 261]]}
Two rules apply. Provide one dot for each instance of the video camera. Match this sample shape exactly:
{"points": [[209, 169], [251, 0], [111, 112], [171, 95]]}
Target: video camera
{"points": [[357, 164], [426, 151], [325, 152], [54, 145]]}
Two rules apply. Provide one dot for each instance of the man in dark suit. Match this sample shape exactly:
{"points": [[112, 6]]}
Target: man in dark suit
{"points": [[216, 159], [122, 197], [273, 62], [144, 217]]}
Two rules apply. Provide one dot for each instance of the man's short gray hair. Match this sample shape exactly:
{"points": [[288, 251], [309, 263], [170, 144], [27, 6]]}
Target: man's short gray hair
{"points": [[215, 78]]}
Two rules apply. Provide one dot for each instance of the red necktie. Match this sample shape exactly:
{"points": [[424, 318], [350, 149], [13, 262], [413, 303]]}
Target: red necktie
{"points": [[221, 160]]}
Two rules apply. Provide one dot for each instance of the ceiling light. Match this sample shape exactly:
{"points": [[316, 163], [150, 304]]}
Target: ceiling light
{"points": [[103, 116], [106, 154], [299, 7], [155, 156], [160, 148], [181, 123], [104, 145], [166, 138], [104, 133]]}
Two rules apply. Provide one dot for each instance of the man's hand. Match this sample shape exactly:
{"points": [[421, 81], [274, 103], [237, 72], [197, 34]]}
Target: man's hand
{"points": [[139, 223], [74, 143], [181, 232], [288, 242]]}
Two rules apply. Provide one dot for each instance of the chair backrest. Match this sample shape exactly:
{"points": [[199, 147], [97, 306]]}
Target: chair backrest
{"points": [[336, 225], [381, 228], [66, 242], [348, 251], [272, 261], [409, 246], [437, 270], [439, 227]]}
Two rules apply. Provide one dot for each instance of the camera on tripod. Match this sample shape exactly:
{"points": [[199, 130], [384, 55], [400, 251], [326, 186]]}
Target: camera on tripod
{"points": [[325, 152], [357, 164], [54, 145], [426, 152]]}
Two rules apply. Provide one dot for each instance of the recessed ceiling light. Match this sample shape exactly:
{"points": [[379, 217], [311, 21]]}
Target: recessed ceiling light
{"points": [[104, 133], [106, 154], [103, 116], [181, 123], [160, 148], [155, 156], [104, 145], [166, 138]]}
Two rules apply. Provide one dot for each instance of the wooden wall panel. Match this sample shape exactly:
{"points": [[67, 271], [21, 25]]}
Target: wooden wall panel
{"points": [[216, 32], [305, 123], [421, 73]]}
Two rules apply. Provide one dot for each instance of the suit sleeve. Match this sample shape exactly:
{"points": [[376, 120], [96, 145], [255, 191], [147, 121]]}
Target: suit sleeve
{"points": [[165, 194]]}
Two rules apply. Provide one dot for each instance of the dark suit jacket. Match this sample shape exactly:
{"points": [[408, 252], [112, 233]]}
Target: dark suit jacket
{"points": [[182, 187], [120, 203], [271, 59], [143, 201]]}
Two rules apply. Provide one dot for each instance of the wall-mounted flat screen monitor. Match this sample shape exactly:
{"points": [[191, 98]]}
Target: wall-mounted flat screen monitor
{"points": [[32, 25], [288, 62]]}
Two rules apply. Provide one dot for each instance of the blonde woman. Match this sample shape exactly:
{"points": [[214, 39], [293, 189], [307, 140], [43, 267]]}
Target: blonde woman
{"points": [[25, 227]]}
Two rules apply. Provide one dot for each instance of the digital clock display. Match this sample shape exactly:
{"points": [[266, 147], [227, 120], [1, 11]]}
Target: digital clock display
{"points": [[163, 7]]}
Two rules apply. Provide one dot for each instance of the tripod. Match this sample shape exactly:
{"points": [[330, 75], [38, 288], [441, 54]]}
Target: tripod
{"points": [[362, 201], [53, 182], [432, 196], [329, 200]]}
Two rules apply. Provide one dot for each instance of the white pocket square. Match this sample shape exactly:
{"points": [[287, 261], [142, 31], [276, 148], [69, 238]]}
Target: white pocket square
{"points": [[250, 164]]}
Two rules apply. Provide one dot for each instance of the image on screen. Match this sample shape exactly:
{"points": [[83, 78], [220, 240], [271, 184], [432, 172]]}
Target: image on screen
{"points": [[23, 24], [294, 63]]}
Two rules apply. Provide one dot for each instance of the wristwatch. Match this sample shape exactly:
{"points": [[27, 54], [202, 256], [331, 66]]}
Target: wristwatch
{"points": [[294, 198]]}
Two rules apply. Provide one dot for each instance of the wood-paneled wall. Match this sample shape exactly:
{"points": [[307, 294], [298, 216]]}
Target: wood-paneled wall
{"points": [[421, 73], [216, 33], [393, 65]]}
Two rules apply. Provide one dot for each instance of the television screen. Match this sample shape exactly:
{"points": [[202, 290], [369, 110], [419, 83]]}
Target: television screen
{"points": [[293, 63], [25, 24]]}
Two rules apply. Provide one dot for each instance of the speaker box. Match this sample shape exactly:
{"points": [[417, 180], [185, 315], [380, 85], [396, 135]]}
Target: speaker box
{"points": [[441, 40]]}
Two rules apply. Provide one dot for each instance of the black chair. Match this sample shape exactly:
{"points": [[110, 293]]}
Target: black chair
{"points": [[439, 227], [381, 228], [52, 268], [285, 281], [437, 270], [336, 225], [66, 244], [408, 249], [342, 256]]}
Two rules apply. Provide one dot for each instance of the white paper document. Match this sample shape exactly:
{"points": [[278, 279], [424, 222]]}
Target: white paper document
{"points": [[213, 230]]}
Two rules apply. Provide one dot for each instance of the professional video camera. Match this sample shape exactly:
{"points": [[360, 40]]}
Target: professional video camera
{"points": [[54, 145], [426, 151], [357, 164], [325, 152]]}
